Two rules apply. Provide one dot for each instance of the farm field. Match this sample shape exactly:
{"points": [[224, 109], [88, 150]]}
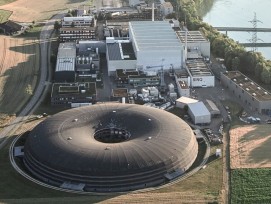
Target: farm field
{"points": [[19, 71], [4, 15], [36, 10], [250, 186], [250, 146]]}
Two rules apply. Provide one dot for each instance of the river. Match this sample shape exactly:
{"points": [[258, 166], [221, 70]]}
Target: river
{"points": [[238, 13]]}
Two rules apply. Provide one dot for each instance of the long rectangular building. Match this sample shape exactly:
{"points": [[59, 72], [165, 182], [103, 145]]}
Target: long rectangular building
{"points": [[247, 91]]}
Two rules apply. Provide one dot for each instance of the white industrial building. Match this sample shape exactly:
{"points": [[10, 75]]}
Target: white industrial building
{"points": [[200, 74], [119, 55], [156, 45], [199, 113], [197, 45], [184, 101]]}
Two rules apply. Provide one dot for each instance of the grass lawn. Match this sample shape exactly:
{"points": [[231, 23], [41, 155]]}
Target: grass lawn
{"points": [[3, 2], [251, 186], [4, 15]]}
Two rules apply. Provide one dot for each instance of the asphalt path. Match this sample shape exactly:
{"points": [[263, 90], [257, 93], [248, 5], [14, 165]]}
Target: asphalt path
{"points": [[42, 85]]}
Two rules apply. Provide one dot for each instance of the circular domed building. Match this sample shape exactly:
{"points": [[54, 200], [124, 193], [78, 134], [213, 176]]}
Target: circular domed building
{"points": [[110, 147]]}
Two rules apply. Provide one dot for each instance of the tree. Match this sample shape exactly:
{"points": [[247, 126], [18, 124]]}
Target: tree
{"points": [[235, 63], [57, 25], [266, 75]]}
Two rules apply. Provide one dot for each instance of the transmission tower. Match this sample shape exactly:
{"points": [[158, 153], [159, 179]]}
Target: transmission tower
{"points": [[254, 39]]}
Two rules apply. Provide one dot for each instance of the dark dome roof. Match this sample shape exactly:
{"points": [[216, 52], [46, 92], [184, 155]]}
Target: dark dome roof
{"points": [[150, 142]]}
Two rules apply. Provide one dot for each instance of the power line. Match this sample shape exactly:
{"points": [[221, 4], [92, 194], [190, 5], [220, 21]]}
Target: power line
{"points": [[254, 39]]}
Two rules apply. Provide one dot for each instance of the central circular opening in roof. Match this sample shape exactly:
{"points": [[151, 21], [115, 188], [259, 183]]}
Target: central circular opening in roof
{"points": [[112, 135]]}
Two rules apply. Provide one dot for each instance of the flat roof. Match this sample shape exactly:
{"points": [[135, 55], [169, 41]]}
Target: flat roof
{"points": [[186, 100], [67, 50], [192, 36], [154, 35], [122, 92], [183, 84], [77, 28], [126, 73], [120, 51], [65, 64], [248, 85], [198, 67], [198, 109], [89, 89]]}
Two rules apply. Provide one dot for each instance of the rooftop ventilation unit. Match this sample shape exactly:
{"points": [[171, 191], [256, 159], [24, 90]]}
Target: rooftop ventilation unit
{"points": [[253, 94], [234, 80], [252, 83], [259, 88], [241, 84], [247, 89], [265, 93], [246, 79]]}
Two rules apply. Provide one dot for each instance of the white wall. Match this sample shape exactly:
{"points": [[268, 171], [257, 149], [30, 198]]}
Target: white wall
{"points": [[203, 81], [154, 58], [199, 119], [203, 47], [120, 64]]}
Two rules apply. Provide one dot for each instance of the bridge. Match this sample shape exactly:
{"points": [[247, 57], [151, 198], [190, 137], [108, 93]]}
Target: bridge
{"points": [[256, 44], [243, 29]]}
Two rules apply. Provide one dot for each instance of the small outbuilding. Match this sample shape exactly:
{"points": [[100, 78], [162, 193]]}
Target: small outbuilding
{"points": [[199, 113], [183, 101]]}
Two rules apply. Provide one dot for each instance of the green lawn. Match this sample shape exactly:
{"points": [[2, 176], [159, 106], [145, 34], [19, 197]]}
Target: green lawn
{"points": [[4, 15], [3, 2], [251, 186]]}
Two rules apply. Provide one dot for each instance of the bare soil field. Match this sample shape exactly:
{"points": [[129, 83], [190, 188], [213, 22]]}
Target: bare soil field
{"points": [[19, 71], [35, 10], [250, 146]]}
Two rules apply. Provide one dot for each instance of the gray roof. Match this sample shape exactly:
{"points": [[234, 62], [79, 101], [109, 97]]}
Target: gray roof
{"points": [[120, 51], [198, 109], [114, 51], [160, 142], [154, 35], [65, 64]]}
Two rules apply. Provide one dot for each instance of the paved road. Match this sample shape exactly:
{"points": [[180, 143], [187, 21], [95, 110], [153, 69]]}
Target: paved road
{"points": [[42, 85]]}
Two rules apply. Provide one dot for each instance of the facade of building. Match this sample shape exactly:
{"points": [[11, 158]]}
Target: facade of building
{"points": [[200, 74], [67, 34], [78, 21], [66, 94], [155, 45], [199, 114], [247, 91]]}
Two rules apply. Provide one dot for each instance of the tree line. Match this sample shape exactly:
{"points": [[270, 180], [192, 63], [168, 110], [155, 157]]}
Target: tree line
{"points": [[235, 55]]}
